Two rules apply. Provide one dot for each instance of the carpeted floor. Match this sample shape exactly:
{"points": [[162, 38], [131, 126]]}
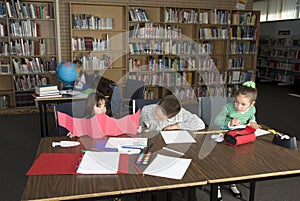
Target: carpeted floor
{"points": [[275, 108]]}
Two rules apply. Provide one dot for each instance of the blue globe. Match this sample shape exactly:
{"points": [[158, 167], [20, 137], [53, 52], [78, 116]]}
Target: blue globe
{"points": [[67, 72]]}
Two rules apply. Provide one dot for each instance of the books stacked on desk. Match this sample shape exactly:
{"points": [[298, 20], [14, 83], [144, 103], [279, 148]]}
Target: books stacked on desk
{"points": [[46, 91]]}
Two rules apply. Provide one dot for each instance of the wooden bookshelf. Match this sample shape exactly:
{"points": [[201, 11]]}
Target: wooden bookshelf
{"points": [[28, 49], [98, 38], [278, 59], [188, 51], [192, 52]]}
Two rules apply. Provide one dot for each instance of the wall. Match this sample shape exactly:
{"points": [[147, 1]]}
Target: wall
{"points": [[272, 28], [64, 12]]}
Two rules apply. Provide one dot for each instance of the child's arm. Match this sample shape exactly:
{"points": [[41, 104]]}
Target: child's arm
{"points": [[221, 119], [190, 122]]}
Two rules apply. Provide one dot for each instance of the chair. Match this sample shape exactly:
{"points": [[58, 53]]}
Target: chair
{"points": [[140, 103], [74, 109], [134, 89], [209, 108]]}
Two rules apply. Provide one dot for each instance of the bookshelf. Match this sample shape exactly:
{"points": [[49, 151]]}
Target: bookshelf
{"points": [[98, 38], [28, 49], [192, 52], [188, 51], [278, 59]]}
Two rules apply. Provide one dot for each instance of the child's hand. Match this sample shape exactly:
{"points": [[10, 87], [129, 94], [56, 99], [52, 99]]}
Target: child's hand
{"points": [[235, 122], [171, 127], [70, 135], [139, 130], [254, 124]]}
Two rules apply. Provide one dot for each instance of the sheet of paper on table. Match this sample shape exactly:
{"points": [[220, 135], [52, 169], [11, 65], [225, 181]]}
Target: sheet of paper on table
{"points": [[177, 136], [168, 167]]}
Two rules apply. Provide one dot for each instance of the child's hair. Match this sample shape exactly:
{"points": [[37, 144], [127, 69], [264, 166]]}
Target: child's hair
{"points": [[92, 99], [248, 89], [78, 63], [170, 106]]}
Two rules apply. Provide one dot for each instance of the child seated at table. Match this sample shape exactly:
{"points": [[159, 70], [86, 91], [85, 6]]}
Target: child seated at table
{"points": [[168, 115], [240, 112], [96, 103]]}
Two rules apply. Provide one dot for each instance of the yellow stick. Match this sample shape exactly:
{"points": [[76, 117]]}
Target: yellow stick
{"points": [[212, 131]]}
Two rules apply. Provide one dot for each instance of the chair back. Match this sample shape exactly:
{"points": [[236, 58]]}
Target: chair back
{"points": [[140, 103], [209, 108], [134, 89], [74, 109]]}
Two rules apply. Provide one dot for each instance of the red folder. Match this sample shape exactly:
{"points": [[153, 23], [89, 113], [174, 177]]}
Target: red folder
{"points": [[65, 163]]}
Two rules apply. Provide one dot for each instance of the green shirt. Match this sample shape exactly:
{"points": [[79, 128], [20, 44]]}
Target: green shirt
{"points": [[229, 112]]}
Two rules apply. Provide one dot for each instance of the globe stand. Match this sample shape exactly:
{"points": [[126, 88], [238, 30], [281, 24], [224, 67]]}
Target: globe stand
{"points": [[68, 87]]}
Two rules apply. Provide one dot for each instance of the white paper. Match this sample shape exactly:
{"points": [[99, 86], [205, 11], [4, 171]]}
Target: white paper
{"points": [[168, 167], [116, 142], [94, 162], [260, 132], [177, 136]]}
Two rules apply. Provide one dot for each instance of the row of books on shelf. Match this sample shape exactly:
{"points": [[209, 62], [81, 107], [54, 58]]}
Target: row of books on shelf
{"points": [[242, 48], [15, 9], [236, 63], [215, 16], [98, 63], [214, 33], [90, 43], [24, 28], [181, 15], [238, 77], [247, 18], [176, 64], [279, 65], [24, 99], [84, 21], [149, 94], [4, 49], [23, 47], [138, 15], [150, 30], [277, 76], [28, 82], [182, 78], [243, 32], [33, 65], [3, 29]]}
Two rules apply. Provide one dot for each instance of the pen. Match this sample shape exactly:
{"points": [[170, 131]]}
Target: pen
{"points": [[132, 146], [138, 169]]}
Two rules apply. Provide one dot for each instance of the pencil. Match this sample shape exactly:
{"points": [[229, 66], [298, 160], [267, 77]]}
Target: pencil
{"points": [[138, 169]]}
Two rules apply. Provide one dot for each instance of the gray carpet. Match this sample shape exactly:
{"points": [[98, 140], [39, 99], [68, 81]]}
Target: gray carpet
{"points": [[20, 137]]}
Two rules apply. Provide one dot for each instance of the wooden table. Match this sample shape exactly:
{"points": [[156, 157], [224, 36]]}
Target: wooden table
{"points": [[64, 187], [260, 160]]}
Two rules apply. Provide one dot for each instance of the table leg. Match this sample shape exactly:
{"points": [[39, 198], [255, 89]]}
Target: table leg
{"points": [[213, 192], [252, 191], [45, 119], [41, 119], [192, 194]]}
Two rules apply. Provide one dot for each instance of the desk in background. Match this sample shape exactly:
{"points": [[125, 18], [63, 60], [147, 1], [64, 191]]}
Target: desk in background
{"points": [[42, 105], [66, 187]]}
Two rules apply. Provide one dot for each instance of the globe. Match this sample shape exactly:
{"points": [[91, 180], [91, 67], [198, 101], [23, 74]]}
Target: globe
{"points": [[67, 72]]}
